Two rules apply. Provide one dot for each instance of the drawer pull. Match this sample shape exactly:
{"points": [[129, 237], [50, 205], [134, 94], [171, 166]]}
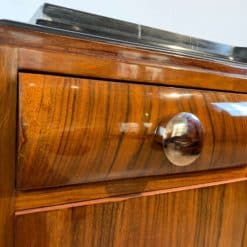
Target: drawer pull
{"points": [[181, 138]]}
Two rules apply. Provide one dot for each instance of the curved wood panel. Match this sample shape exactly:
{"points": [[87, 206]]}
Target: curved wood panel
{"points": [[132, 68], [51, 53], [202, 217], [79, 130]]}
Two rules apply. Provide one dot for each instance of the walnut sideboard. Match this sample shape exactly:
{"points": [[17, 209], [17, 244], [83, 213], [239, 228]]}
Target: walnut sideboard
{"points": [[108, 144]]}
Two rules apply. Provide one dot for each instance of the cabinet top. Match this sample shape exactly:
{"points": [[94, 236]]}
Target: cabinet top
{"points": [[52, 19]]}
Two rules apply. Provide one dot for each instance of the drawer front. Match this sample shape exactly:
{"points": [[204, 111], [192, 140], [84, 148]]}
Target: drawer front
{"points": [[193, 217], [75, 131]]}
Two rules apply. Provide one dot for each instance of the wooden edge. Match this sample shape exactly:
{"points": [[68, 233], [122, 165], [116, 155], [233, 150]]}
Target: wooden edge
{"points": [[129, 70], [66, 197], [121, 198], [8, 98]]}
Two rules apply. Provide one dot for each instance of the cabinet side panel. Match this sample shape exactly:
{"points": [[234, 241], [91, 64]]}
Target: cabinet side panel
{"points": [[8, 95]]}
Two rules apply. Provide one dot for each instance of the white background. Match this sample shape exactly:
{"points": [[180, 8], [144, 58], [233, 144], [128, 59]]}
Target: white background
{"points": [[217, 20]]}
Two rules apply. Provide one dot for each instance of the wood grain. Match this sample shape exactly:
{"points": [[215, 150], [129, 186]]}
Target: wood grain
{"points": [[79, 130], [8, 98], [94, 193], [215, 216]]}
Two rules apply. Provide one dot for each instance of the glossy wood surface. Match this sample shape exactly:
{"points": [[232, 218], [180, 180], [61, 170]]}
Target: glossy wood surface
{"points": [[93, 193], [75, 130], [133, 67], [69, 130], [8, 92], [52, 53], [202, 217]]}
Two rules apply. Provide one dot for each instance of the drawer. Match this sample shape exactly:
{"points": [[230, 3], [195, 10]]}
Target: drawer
{"points": [[75, 130], [214, 216]]}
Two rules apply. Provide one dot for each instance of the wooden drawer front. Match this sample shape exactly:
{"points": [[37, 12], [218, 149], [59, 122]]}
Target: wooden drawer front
{"points": [[210, 217], [80, 130]]}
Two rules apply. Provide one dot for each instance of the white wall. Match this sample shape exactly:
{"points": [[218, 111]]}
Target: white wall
{"points": [[217, 20]]}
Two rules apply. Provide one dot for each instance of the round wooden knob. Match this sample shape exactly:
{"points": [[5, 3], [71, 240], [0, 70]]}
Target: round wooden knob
{"points": [[181, 138]]}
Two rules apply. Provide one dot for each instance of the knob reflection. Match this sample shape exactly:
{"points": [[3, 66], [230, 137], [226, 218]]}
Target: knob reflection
{"points": [[182, 139]]}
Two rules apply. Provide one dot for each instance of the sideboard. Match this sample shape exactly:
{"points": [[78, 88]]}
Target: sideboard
{"points": [[108, 144]]}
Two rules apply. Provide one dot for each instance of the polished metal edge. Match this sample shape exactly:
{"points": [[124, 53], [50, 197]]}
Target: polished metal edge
{"points": [[54, 16]]}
